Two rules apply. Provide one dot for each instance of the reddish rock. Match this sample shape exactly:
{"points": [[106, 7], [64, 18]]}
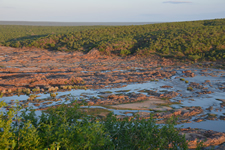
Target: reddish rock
{"points": [[196, 85], [208, 137], [166, 86], [182, 113], [170, 94], [188, 73], [204, 92]]}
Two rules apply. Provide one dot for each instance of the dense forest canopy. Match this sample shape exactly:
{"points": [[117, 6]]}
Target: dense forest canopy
{"points": [[195, 40]]}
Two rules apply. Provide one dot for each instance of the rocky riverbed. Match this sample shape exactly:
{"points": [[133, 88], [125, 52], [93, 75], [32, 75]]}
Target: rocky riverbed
{"points": [[128, 87]]}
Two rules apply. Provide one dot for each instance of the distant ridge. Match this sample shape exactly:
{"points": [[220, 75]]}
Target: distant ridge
{"points": [[30, 23], [192, 40]]}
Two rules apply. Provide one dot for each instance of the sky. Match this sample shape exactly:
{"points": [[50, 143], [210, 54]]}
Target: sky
{"points": [[111, 10]]}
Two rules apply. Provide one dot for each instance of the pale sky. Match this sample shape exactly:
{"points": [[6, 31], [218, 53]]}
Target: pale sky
{"points": [[111, 10]]}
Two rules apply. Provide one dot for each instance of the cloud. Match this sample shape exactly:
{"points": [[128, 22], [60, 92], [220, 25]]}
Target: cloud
{"points": [[177, 2]]}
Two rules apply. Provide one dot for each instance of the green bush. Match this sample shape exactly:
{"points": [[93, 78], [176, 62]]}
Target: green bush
{"points": [[124, 52], [190, 88], [68, 128], [194, 57], [53, 95]]}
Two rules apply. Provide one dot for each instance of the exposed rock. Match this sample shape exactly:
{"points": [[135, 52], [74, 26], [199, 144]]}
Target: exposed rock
{"points": [[223, 100], [188, 73], [210, 108], [196, 85], [222, 104], [150, 92], [112, 99], [166, 86], [199, 120], [204, 92], [170, 94], [207, 81], [94, 52], [204, 70], [211, 117], [183, 112], [208, 137], [222, 118]]}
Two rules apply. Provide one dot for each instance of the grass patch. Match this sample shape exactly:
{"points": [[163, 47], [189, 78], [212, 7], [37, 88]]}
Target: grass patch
{"points": [[122, 91], [165, 99], [106, 92], [93, 111], [168, 104], [163, 91], [143, 91]]}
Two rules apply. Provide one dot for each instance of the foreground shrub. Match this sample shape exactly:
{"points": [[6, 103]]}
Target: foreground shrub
{"points": [[66, 127], [143, 134]]}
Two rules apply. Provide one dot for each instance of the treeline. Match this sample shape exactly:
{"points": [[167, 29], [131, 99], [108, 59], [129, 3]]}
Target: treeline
{"points": [[195, 40], [21, 32]]}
